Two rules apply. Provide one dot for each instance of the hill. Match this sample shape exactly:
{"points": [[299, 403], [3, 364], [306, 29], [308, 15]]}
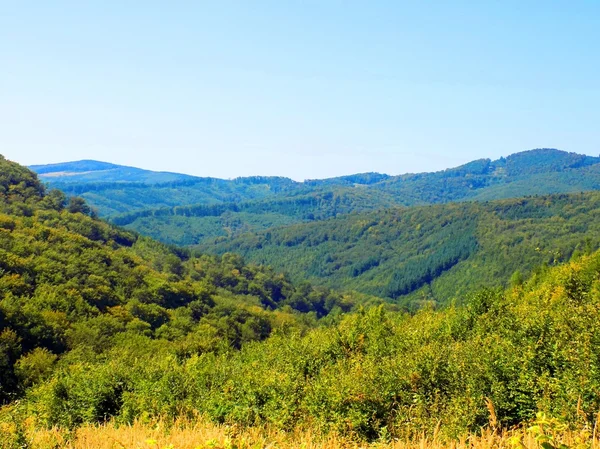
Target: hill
{"points": [[428, 252], [114, 189], [73, 284], [88, 171], [189, 225], [190, 211]]}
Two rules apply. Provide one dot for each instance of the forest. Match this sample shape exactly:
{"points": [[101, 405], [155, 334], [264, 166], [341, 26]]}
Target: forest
{"points": [[101, 326], [428, 253]]}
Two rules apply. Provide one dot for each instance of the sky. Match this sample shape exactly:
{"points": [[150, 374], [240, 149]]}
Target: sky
{"points": [[304, 89]]}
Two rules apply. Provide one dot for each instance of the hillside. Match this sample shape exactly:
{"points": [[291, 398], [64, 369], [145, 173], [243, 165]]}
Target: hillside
{"points": [[114, 189], [72, 285], [87, 171], [190, 225], [193, 210], [430, 252], [369, 375]]}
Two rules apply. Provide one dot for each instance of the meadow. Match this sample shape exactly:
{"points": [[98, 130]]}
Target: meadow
{"points": [[184, 434]]}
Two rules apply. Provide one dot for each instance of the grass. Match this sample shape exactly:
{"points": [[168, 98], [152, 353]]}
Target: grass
{"points": [[185, 434]]}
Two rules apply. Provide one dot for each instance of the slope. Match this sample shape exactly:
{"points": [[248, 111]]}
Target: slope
{"points": [[372, 375], [71, 285], [189, 225], [428, 252]]}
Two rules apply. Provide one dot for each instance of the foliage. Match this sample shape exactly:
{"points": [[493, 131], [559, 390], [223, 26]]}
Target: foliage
{"points": [[188, 225], [99, 325], [431, 252], [529, 349], [200, 434], [71, 284]]}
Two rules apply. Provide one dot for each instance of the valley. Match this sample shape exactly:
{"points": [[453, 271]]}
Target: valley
{"points": [[452, 316], [300, 225]]}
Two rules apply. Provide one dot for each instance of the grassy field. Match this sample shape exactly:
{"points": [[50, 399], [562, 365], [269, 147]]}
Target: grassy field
{"points": [[544, 433]]}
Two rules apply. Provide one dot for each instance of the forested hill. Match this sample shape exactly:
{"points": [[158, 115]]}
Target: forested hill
{"points": [[189, 225], [187, 210], [88, 171], [73, 284], [428, 252], [114, 189]]}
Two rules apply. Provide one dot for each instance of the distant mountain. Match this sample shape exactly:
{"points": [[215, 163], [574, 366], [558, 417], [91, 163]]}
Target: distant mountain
{"points": [[189, 210], [116, 189], [88, 171]]}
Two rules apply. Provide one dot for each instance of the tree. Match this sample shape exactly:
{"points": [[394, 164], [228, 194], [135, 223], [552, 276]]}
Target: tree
{"points": [[55, 199], [78, 204]]}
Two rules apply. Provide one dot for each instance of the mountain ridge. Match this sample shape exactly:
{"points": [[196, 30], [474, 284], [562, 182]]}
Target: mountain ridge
{"points": [[190, 211], [366, 178]]}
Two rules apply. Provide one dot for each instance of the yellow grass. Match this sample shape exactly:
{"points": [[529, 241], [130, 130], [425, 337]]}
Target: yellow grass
{"points": [[202, 435]]}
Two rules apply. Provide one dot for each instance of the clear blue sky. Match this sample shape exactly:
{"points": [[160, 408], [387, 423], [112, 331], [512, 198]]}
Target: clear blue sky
{"points": [[306, 89]]}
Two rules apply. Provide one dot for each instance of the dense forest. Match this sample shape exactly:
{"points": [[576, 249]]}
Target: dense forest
{"points": [[98, 324], [188, 210], [190, 225], [428, 253], [533, 347], [70, 282]]}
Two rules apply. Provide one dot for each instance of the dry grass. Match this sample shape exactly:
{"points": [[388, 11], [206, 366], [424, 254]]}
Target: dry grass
{"points": [[190, 435]]}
